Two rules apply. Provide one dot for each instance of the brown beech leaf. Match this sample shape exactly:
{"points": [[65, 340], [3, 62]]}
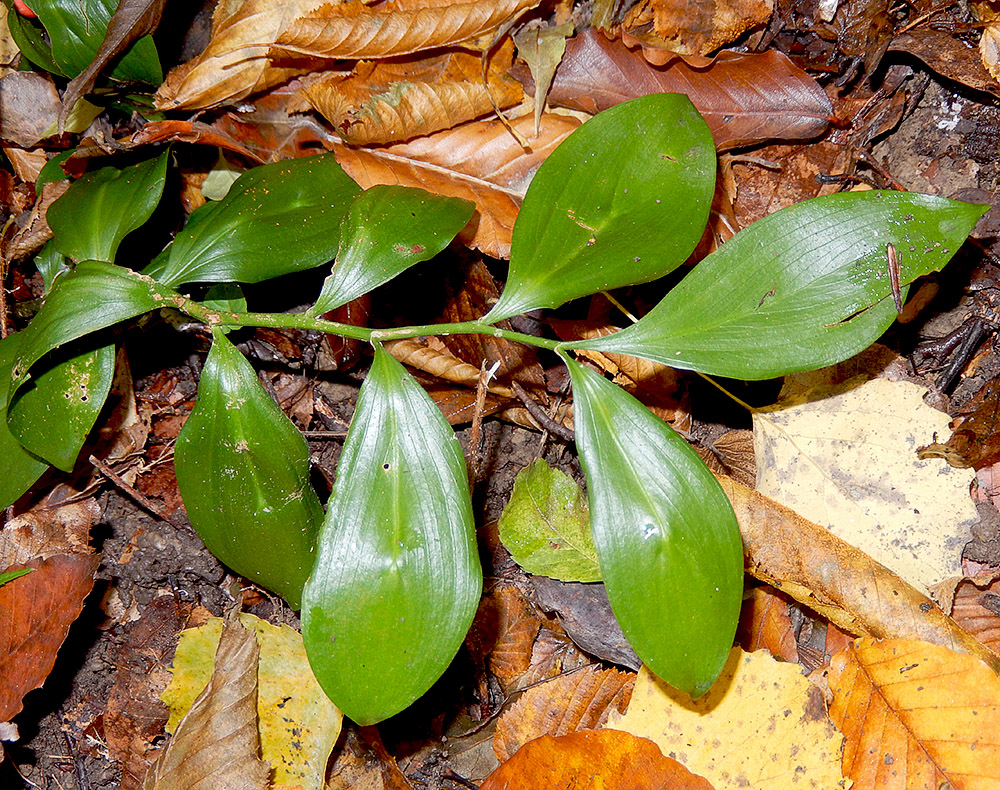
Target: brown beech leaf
{"points": [[235, 64], [216, 744], [574, 701], [353, 31], [47, 531], [863, 29], [479, 161], [592, 760], [193, 132], [976, 440], [744, 98], [948, 56], [440, 363], [840, 582], [976, 607], [392, 100], [36, 612], [765, 624], [30, 104], [456, 402], [694, 28], [916, 715]]}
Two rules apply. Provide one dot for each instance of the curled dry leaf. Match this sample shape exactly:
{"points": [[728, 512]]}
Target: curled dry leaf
{"points": [[575, 701], [592, 760], [389, 101], [694, 28], [235, 64], [845, 585], [916, 715], [744, 98], [441, 363], [479, 161], [353, 31]]}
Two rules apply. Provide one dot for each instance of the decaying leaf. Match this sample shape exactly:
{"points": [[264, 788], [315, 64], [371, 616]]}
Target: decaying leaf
{"points": [[542, 48], [975, 441], [762, 725], [916, 715], [694, 28], [440, 363], [592, 760], [216, 744], [580, 700], [976, 607], [765, 624]]}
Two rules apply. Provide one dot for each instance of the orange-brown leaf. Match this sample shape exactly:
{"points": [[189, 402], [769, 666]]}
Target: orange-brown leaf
{"points": [[592, 760], [764, 623], [353, 31], [916, 715], [574, 701], [976, 608], [694, 28]]}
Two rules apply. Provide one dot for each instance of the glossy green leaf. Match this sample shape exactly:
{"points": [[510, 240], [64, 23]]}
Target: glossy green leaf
{"points": [[275, 219], [386, 230], [93, 296], [397, 580], [546, 526], [54, 412], [667, 540], [73, 32], [50, 264], [9, 576], [21, 468], [243, 473], [804, 287], [623, 200], [101, 208]]}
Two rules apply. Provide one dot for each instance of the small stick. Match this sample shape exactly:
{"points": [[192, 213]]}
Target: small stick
{"points": [[324, 434], [543, 419], [475, 433], [892, 263], [143, 502]]}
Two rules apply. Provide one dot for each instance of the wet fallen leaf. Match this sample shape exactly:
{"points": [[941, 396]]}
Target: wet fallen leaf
{"points": [[762, 725], [916, 715], [744, 98], [298, 724], [580, 700], [592, 760], [845, 458], [694, 29], [215, 745]]}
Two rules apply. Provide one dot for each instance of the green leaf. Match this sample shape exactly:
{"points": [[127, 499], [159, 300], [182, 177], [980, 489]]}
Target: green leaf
{"points": [[75, 30], [101, 208], [397, 579], [52, 170], [546, 526], [804, 287], [52, 414], [243, 473], [623, 200], [667, 539], [50, 264], [93, 296], [275, 219], [20, 468], [386, 230], [9, 576]]}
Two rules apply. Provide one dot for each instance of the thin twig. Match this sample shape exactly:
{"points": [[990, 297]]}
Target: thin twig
{"points": [[543, 419], [144, 502], [324, 434]]}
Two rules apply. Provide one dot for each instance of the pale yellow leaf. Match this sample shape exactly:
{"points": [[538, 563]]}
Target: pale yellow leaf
{"points": [[762, 726], [845, 457]]}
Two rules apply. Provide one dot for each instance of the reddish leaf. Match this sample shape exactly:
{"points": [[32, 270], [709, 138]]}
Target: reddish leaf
{"points": [[744, 98], [764, 623]]}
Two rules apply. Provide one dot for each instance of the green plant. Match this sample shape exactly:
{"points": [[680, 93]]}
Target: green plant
{"points": [[394, 582]]}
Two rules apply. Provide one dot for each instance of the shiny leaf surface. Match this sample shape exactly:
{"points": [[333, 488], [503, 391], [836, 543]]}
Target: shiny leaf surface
{"points": [[21, 468], [397, 579]]}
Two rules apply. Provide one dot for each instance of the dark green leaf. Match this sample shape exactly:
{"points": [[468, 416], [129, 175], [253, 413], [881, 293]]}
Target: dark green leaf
{"points": [[75, 30], [52, 414], [667, 540], [805, 287], [386, 230], [52, 170], [623, 200], [50, 264], [20, 468], [9, 576], [397, 579], [101, 208], [243, 473], [546, 526], [93, 296], [275, 219]]}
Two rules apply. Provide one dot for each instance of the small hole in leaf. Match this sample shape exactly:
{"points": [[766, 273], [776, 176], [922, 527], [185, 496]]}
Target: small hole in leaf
{"points": [[386, 467]]}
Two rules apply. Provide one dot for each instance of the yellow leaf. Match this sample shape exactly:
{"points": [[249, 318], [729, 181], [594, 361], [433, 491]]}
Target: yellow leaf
{"points": [[762, 726]]}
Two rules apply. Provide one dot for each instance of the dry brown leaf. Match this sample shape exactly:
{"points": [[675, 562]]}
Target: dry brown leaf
{"points": [[976, 607], [863, 29], [216, 745], [457, 403], [479, 161], [30, 105], [975, 441], [235, 64], [440, 363], [574, 701], [394, 100], [916, 715], [589, 760], [765, 624], [744, 98], [353, 31], [818, 569], [45, 532], [946, 55], [694, 28]]}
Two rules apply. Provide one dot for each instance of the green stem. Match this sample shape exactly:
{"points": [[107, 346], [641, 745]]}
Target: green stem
{"points": [[304, 321]]}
